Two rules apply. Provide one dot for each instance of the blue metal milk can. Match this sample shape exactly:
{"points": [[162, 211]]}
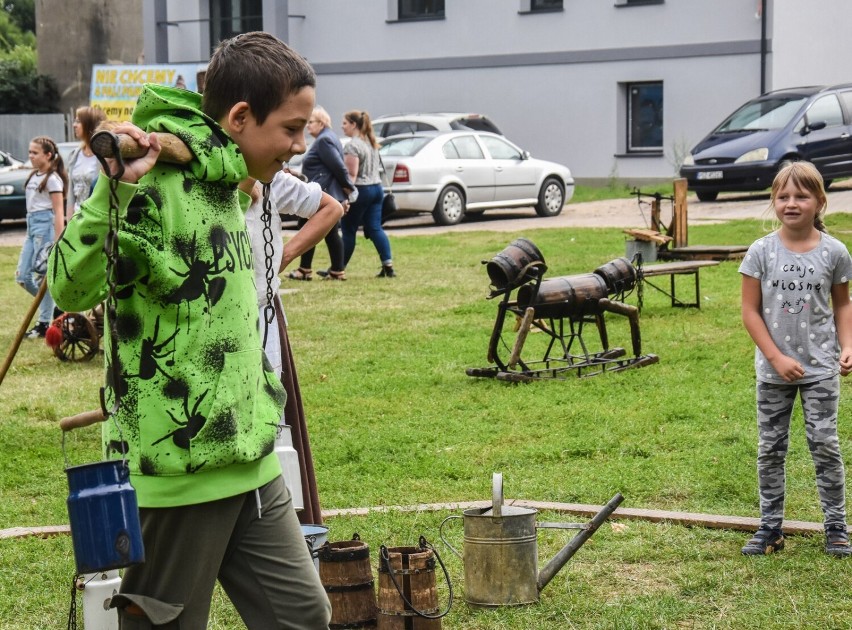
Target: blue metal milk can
{"points": [[104, 517]]}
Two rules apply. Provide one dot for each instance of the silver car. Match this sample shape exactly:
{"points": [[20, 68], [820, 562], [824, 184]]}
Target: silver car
{"points": [[458, 172]]}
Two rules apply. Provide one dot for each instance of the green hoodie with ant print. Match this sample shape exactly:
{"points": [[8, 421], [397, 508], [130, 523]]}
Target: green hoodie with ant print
{"points": [[197, 402]]}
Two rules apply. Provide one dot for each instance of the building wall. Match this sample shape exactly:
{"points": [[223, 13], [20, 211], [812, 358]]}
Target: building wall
{"points": [[808, 51], [74, 35], [550, 80], [554, 82]]}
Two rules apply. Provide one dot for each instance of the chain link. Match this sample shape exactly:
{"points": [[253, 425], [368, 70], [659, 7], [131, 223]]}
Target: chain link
{"points": [[110, 309], [72, 613], [268, 252]]}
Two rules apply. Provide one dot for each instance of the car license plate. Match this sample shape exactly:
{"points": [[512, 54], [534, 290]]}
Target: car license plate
{"points": [[709, 175]]}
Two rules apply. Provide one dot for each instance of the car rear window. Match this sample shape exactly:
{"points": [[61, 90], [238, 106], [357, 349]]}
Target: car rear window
{"points": [[405, 126], [475, 123], [403, 147]]}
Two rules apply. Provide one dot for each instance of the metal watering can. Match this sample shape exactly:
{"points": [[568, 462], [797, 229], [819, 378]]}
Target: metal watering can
{"points": [[500, 553]]}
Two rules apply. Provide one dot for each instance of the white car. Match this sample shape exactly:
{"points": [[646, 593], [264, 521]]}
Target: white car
{"points": [[458, 172], [9, 162], [395, 124]]}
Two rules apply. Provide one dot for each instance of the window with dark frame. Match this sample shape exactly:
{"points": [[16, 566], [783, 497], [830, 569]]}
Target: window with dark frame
{"points": [[645, 117], [420, 9], [232, 17], [627, 3], [545, 5]]}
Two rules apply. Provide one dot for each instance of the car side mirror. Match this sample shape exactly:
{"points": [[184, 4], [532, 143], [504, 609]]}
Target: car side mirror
{"points": [[525, 155], [813, 127]]}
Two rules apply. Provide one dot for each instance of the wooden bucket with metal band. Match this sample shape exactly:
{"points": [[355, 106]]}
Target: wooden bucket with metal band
{"points": [[408, 593], [619, 274], [346, 575], [511, 266]]}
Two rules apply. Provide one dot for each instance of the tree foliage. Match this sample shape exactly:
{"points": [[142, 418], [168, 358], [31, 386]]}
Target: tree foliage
{"points": [[22, 89], [22, 13], [15, 29]]}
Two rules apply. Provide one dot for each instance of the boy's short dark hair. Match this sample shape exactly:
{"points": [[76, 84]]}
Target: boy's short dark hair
{"points": [[257, 68]]}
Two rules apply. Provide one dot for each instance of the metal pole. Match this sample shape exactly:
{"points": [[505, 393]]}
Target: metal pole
{"points": [[763, 46]]}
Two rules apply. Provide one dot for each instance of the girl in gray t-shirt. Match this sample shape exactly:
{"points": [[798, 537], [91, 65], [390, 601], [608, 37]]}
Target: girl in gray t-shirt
{"points": [[795, 306]]}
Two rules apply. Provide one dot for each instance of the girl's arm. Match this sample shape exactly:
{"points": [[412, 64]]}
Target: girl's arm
{"points": [[843, 321], [787, 367], [58, 214], [352, 162]]}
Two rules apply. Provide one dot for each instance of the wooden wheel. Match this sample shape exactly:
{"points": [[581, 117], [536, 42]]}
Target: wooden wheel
{"points": [[79, 338]]}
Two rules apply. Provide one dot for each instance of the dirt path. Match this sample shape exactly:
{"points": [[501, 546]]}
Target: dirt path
{"points": [[618, 213], [623, 213]]}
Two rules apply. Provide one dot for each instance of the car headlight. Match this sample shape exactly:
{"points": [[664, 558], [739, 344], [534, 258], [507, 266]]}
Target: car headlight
{"points": [[7, 189], [756, 155], [689, 160]]}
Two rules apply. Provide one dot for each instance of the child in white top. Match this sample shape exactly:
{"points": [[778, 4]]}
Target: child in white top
{"points": [[45, 192], [287, 195]]}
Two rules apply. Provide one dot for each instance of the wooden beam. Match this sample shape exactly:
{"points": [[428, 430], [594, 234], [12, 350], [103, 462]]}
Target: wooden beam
{"points": [[41, 532], [687, 519], [712, 521]]}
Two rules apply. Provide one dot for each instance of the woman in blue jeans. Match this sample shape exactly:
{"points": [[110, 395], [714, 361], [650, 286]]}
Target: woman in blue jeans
{"points": [[45, 195], [361, 157]]}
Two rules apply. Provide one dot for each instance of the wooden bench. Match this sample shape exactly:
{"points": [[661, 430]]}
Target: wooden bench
{"points": [[679, 268]]}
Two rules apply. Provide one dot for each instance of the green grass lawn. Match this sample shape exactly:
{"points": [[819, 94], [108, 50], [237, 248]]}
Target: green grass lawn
{"points": [[394, 420]]}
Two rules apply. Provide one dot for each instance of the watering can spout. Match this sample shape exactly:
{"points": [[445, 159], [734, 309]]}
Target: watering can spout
{"points": [[560, 559]]}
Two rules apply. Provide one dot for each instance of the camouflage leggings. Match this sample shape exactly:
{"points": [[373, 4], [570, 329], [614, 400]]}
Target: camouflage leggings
{"points": [[774, 408]]}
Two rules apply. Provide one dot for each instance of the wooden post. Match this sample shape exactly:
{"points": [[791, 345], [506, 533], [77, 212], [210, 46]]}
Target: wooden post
{"points": [[16, 343], [679, 223], [656, 224]]}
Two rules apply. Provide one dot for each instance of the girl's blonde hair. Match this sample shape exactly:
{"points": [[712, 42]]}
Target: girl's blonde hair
{"points": [[804, 176], [56, 164]]}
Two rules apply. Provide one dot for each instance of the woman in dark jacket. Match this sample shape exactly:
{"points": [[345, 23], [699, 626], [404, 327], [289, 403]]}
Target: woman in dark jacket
{"points": [[323, 164]]}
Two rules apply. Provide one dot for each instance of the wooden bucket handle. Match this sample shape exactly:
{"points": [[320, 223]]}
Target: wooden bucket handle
{"points": [[82, 420]]}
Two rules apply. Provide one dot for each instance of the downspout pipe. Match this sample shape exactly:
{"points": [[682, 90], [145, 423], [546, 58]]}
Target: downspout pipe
{"points": [[763, 46]]}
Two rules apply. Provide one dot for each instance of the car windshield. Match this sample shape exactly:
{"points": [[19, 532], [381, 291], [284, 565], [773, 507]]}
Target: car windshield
{"points": [[402, 147], [770, 113]]}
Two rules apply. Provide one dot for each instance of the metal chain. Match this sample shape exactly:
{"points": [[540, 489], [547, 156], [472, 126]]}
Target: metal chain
{"points": [[111, 253], [72, 613], [268, 252]]}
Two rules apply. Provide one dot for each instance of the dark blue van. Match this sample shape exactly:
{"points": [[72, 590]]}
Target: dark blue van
{"points": [[746, 150]]}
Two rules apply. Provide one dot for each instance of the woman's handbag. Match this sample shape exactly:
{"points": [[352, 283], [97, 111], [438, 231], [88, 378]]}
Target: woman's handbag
{"points": [[389, 206]]}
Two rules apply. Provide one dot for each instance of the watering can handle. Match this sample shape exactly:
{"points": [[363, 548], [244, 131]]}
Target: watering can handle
{"points": [[82, 420], [444, 540], [497, 495]]}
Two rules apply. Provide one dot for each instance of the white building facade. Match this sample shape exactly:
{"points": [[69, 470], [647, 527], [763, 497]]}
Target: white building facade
{"points": [[611, 88]]}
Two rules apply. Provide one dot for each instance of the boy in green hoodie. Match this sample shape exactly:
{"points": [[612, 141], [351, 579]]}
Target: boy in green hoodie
{"points": [[196, 405]]}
